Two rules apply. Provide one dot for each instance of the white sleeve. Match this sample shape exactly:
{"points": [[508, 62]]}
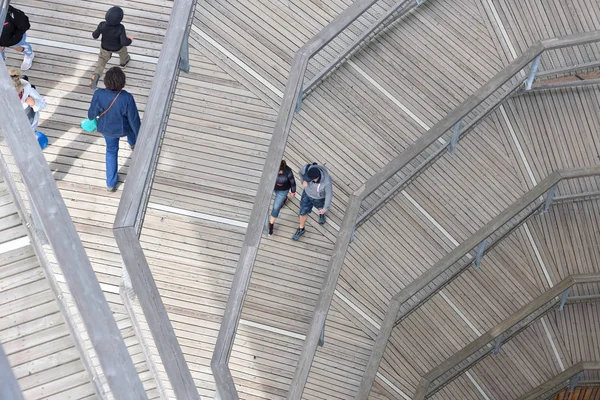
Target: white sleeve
{"points": [[40, 103]]}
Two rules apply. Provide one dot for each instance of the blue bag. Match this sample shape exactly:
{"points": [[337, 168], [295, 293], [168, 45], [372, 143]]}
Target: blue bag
{"points": [[89, 125], [42, 139]]}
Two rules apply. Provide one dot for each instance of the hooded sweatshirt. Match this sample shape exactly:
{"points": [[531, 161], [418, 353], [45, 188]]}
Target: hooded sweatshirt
{"points": [[15, 26], [322, 189], [114, 37]]}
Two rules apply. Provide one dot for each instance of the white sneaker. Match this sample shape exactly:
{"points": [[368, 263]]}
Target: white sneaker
{"points": [[27, 61]]}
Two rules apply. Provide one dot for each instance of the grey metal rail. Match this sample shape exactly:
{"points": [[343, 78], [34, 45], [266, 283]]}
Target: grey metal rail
{"points": [[569, 378], [291, 103], [49, 209], [490, 342], [9, 387], [445, 134], [136, 193], [471, 251]]}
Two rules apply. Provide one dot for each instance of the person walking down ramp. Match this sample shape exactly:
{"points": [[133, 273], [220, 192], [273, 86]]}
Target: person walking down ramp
{"points": [[117, 116], [285, 183], [318, 192], [31, 100], [114, 40], [14, 36]]}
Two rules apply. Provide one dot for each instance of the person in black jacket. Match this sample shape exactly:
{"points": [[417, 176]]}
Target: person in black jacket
{"points": [[285, 183], [114, 40], [14, 36]]}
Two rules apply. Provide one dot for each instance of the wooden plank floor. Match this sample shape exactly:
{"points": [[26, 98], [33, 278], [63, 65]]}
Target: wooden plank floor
{"points": [[33, 332], [65, 55], [356, 121]]}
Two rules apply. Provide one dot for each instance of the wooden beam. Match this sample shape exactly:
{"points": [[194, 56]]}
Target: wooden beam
{"points": [[128, 222], [46, 201], [9, 387], [560, 381]]}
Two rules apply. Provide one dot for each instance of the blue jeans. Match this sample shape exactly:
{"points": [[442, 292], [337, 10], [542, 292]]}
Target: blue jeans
{"points": [[112, 156], [280, 196], [307, 203], [23, 43]]}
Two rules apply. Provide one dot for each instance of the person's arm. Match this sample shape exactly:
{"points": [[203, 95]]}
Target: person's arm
{"points": [[292, 181], [98, 31], [93, 107], [328, 197], [133, 116], [125, 41], [38, 101]]}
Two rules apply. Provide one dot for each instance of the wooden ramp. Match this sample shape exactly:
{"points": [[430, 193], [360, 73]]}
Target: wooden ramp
{"points": [[32, 330]]}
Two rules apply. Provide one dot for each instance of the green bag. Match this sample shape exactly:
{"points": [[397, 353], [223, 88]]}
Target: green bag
{"points": [[89, 125]]}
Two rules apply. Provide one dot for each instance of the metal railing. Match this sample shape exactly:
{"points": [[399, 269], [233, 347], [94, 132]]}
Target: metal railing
{"points": [[136, 193], [415, 154], [491, 341], [471, 252], [570, 378], [53, 235], [339, 34], [444, 136]]}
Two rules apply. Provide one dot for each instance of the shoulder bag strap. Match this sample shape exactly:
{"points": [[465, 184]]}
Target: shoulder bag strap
{"points": [[111, 104]]}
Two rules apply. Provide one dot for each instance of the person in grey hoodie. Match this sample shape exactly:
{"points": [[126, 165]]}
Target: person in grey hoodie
{"points": [[318, 192]]}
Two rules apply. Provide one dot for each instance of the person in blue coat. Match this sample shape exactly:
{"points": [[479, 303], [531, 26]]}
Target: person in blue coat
{"points": [[118, 116]]}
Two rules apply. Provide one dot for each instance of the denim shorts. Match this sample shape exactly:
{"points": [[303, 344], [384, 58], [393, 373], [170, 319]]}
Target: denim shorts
{"points": [[23, 43], [307, 203], [280, 196]]}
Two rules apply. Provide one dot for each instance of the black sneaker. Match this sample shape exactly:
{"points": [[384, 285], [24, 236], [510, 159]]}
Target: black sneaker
{"points": [[322, 219], [271, 228], [123, 65], [299, 232], [94, 81], [284, 201]]}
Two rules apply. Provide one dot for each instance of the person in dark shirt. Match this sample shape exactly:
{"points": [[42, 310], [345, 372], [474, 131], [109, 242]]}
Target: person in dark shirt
{"points": [[114, 40], [117, 117], [14, 36], [285, 183]]}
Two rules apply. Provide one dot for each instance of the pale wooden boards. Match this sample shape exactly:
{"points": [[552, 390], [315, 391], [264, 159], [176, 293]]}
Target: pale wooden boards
{"points": [[65, 55]]}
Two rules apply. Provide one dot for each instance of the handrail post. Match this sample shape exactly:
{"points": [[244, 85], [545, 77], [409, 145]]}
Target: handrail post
{"points": [[498, 344], [479, 253], [534, 67], [564, 298], [574, 381], [184, 57], [299, 101], [455, 136], [322, 338], [549, 198]]}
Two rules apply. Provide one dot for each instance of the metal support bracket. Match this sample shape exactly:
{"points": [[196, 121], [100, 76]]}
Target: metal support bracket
{"points": [[564, 298], [352, 236], [498, 344], [479, 253], [322, 337], [455, 137], [419, 2], [534, 67], [574, 381], [299, 102], [549, 198], [184, 57]]}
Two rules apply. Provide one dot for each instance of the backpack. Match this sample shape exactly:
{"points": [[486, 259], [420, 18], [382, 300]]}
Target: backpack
{"points": [[19, 18]]}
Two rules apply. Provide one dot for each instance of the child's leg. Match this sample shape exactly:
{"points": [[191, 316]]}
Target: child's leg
{"points": [[103, 58], [123, 55]]}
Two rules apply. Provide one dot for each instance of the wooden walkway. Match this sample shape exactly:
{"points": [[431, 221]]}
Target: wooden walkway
{"points": [[32, 330], [366, 113]]}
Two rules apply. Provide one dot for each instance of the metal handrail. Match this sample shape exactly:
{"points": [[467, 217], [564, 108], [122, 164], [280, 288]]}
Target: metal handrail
{"points": [[128, 222], [52, 217], [355, 200], [568, 378], [458, 260], [458, 123], [290, 104], [490, 342]]}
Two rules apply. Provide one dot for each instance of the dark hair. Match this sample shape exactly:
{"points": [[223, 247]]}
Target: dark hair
{"points": [[114, 79], [282, 165]]}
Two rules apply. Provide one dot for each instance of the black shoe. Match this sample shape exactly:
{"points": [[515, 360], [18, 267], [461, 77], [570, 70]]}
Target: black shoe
{"points": [[94, 81], [111, 189], [299, 232], [123, 65], [322, 219], [284, 201], [271, 228]]}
